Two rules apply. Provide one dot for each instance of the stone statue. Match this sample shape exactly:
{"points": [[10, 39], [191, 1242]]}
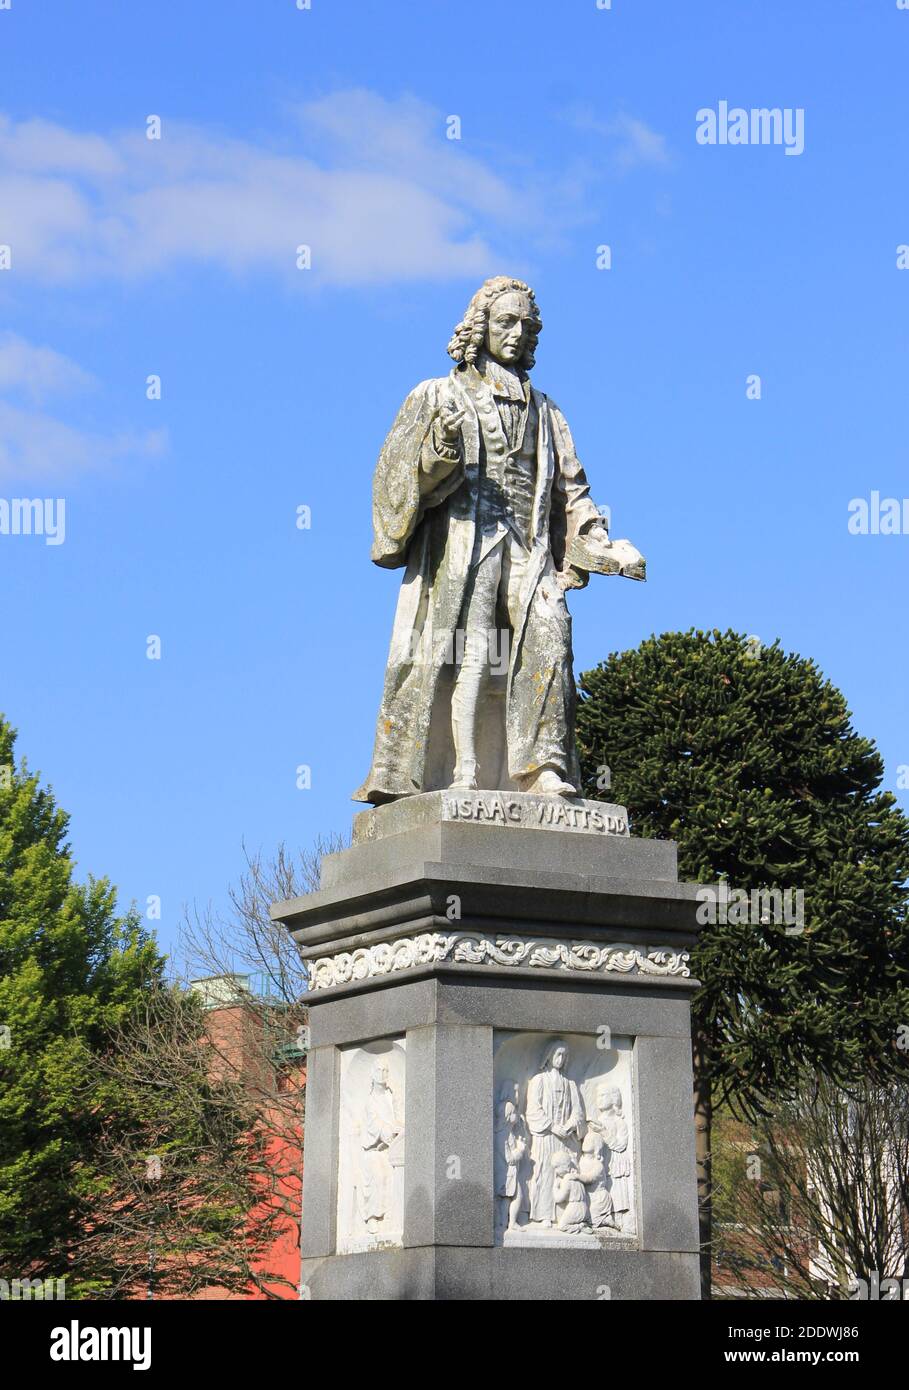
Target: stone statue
{"points": [[562, 1143], [556, 1123], [510, 1148], [613, 1126], [380, 1132], [570, 1195], [479, 496], [594, 1172]]}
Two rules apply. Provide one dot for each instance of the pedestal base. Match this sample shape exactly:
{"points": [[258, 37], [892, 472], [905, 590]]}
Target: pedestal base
{"points": [[500, 1034], [454, 1272]]}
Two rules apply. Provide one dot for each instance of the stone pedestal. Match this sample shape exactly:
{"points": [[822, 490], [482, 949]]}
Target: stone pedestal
{"points": [[499, 1094]]}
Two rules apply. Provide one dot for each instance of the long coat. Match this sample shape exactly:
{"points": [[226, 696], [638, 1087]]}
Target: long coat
{"points": [[553, 1100], [432, 535]]}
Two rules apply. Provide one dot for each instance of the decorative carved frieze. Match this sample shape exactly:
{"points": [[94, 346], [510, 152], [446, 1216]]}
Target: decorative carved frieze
{"points": [[482, 948]]}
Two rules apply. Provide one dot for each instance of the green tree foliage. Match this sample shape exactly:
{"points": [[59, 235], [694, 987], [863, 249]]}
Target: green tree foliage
{"points": [[747, 758], [71, 969]]}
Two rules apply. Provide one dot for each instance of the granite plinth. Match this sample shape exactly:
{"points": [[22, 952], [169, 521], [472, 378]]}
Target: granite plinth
{"points": [[455, 942]]}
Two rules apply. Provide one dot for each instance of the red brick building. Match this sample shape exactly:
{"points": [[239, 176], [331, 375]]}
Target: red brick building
{"points": [[251, 1037]]}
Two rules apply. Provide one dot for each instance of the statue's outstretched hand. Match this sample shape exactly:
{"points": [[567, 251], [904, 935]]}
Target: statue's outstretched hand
{"points": [[444, 452], [451, 414]]}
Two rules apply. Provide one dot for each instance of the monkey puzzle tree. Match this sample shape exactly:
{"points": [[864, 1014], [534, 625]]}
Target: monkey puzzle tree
{"points": [[746, 756], [70, 970]]}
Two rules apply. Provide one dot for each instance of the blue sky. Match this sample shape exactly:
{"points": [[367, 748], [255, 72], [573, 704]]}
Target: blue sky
{"points": [[327, 127]]}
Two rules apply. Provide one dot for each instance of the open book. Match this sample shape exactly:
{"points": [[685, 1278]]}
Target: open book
{"points": [[594, 556]]}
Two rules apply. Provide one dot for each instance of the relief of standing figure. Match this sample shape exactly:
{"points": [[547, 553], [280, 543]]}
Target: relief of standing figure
{"points": [[556, 1123], [614, 1128], [378, 1131], [594, 1170], [510, 1148]]}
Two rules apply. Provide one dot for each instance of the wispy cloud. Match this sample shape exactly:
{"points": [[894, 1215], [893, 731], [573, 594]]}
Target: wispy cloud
{"points": [[35, 443], [638, 144], [405, 139], [371, 185], [37, 371], [628, 141], [399, 203]]}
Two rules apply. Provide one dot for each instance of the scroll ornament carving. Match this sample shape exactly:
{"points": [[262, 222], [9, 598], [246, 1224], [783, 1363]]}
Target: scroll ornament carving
{"points": [[479, 948]]}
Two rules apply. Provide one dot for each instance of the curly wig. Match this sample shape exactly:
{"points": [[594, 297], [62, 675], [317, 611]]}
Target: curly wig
{"points": [[470, 334]]}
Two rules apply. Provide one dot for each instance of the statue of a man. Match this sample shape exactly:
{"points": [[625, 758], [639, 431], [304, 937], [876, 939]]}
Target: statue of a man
{"points": [[479, 495]]}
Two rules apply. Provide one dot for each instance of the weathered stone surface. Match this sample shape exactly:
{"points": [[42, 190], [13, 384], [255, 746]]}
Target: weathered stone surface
{"points": [[511, 900], [499, 1096], [503, 1274], [453, 1018], [480, 496], [598, 556], [343, 1018], [564, 1139], [321, 1152], [509, 810], [574, 858], [427, 949], [449, 1197], [371, 1145]]}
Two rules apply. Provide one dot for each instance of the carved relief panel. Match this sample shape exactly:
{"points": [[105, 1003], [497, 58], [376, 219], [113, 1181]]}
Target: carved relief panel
{"points": [[563, 1131], [371, 1146]]}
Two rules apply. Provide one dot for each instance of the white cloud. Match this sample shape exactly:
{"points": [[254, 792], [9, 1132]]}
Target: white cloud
{"points": [[361, 129], [38, 371], [38, 145], [33, 442], [372, 186], [36, 445], [639, 144], [630, 142]]}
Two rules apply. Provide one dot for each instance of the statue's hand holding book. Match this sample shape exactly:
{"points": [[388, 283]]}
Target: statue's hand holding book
{"points": [[594, 553]]}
